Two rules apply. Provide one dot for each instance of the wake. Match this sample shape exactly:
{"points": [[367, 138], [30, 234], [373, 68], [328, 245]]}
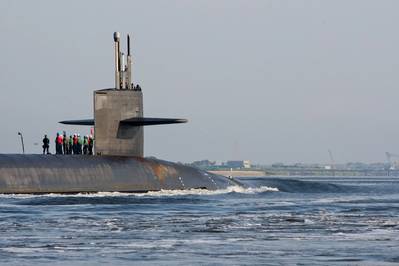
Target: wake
{"points": [[161, 193]]}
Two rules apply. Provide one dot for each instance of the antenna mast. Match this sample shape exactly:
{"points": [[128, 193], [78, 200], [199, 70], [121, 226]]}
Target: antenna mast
{"points": [[123, 70], [117, 60], [129, 65]]}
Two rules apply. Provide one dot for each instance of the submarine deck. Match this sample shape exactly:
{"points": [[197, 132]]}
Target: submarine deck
{"points": [[38, 174]]}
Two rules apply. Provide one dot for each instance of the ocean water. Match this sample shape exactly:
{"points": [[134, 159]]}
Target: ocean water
{"points": [[277, 221]]}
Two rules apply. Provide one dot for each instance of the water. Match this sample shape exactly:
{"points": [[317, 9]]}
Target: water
{"points": [[278, 221]]}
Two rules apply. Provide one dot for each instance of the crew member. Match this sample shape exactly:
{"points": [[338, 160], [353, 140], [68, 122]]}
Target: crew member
{"points": [[70, 144], [91, 143], [85, 145], [46, 145], [56, 143], [75, 144], [80, 143], [60, 142], [65, 143]]}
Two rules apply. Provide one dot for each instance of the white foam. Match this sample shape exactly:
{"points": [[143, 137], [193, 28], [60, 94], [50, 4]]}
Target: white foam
{"points": [[161, 193], [236, 189]]}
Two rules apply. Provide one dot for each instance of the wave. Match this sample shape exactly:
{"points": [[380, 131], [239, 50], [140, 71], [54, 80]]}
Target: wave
{"points": [[297, 186], [231, 189], [161, 193], [251, 186]]}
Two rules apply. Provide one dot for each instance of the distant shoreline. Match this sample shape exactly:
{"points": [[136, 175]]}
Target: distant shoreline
{"points": [[239, 173]]}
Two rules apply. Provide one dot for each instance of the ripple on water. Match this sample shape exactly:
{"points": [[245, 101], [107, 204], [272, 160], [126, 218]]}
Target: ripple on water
{"points": [[279, 221]]}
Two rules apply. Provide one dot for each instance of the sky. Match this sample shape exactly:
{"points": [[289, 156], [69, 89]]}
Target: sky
{"points": [[268, 81]]}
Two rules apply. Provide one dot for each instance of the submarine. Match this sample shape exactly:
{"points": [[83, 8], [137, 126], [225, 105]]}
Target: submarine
{"points": [[118, 163]]}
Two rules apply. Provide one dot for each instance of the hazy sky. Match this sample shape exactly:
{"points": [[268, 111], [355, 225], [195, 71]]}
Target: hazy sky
{"points": [[269, 81]]}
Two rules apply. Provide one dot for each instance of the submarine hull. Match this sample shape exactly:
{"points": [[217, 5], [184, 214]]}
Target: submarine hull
{"points": [[38, 174]]}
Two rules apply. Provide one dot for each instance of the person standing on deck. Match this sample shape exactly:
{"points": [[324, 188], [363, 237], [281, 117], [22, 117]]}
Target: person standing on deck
{"points": [[80, 144], [57, 143], [46, 145], [64, 143], [91, 144], [70, 144], [75, 144], [85, 145]]}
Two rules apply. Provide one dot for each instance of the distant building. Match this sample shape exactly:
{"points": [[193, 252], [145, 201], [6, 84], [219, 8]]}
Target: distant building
{"points": [[203, 164], [238, 164]]}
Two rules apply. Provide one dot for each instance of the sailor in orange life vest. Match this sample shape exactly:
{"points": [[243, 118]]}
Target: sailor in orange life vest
{"points": [[58, 143]]}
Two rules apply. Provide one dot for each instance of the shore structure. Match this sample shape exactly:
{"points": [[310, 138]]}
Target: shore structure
{"points": [[119, 164]]}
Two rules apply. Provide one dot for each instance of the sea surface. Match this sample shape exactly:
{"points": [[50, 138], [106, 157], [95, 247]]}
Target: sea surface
{"points": [[276, 221]]}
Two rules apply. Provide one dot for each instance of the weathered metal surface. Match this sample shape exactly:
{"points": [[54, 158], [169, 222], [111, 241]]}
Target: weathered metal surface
{"points": [[74, 174], [113, 138]]}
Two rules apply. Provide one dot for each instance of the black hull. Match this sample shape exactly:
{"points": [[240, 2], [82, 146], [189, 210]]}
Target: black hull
{"points": [[40, 174]]}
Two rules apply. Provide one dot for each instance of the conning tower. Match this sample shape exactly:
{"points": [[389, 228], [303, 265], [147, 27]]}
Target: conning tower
{"points": [[118, 112], [113, 106]]}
